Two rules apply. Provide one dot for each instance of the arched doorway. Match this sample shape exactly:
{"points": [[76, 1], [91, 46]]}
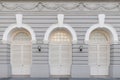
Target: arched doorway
{"points": [[99, 52], [60, 52], [20, 52]]}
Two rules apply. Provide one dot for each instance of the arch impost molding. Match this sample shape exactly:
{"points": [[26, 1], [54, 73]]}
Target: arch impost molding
{"points": [[55, 26], [13, 26], [110, 28]]}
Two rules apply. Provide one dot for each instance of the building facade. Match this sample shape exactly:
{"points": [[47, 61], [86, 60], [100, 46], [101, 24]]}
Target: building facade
{"points": [[77, 39]]}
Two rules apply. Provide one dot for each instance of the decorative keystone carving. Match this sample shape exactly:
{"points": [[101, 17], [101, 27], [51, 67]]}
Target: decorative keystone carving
{"points": [[19, 20], [101, 18], [60, 20]]}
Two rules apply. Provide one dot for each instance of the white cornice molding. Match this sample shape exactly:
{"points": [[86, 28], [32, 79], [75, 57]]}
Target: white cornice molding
{"points": [[61, 6]]}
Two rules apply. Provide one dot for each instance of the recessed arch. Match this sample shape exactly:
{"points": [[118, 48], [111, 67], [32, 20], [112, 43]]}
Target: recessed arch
{"points": [[60, 52], [99, 52], [5, 38], [20, 52], [66, 26], [108, 28]]}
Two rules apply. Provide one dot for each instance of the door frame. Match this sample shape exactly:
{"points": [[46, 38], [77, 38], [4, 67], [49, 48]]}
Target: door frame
{"points": [[60, 58], [108, 51], [25, 43], [108, 58], [56, 43]]}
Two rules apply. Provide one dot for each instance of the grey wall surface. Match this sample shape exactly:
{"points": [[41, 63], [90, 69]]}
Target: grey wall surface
{"points": [[80, 20]]}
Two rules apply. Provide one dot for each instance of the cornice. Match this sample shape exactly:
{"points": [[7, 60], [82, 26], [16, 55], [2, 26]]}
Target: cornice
{"points": [[59, 6]]}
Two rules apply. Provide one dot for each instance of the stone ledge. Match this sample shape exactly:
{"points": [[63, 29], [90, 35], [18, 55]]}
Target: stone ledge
{"points": [[59, 78]]}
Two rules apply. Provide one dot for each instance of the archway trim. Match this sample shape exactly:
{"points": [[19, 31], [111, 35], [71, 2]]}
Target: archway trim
{"points": [[5, 38], [110, 28], [55, 26]]}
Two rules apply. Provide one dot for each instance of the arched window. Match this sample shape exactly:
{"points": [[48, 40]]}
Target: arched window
{"points": [[99, 36], [21, 37], [60, 36]]}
